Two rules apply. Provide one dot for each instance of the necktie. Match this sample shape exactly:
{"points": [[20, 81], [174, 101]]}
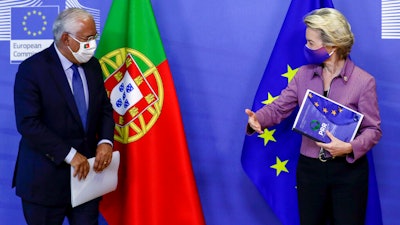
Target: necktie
{"points": [[79, 94]]}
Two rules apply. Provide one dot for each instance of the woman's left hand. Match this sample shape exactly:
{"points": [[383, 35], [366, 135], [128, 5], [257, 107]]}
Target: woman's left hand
{"points": [[336, 147]]}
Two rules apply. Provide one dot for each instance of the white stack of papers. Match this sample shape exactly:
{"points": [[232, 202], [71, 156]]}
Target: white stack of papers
{"points": [[95, 184]]}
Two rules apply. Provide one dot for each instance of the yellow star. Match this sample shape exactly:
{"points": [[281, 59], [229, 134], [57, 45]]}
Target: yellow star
{"points": [[280, 166], [270, 99], [267, 136], [290, 73]]}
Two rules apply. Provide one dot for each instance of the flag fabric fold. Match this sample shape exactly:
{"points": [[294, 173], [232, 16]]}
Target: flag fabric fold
{"points": [[156, 180], [270, 159]]}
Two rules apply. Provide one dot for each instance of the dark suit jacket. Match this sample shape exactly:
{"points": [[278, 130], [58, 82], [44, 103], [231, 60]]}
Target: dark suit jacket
{"points": [[49, 122]]}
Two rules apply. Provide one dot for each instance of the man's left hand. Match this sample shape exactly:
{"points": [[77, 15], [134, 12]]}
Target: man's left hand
{"points": [[103, 157]]}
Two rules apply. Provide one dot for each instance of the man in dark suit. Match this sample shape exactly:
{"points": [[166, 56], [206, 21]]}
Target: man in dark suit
{"points": [[57, 131]]}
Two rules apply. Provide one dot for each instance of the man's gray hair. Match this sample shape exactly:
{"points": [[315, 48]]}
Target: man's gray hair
{"points": [[68, 20]]}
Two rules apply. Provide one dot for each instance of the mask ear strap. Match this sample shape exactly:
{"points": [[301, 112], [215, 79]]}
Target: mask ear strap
{"points": [[333, 51]]}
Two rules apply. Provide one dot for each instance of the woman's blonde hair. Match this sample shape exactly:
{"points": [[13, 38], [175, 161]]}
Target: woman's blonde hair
{"points": [[334, 29]]}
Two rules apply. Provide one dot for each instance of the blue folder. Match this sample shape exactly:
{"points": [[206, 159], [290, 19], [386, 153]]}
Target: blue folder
{"points": [[317, 114]]}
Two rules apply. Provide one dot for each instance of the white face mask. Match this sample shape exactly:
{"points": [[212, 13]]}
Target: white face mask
{"points": [[86, 50]]}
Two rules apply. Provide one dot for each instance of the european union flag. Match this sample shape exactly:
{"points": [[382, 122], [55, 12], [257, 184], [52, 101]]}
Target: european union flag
{"points": [[33, 22], [270, 159], [333, 112]]}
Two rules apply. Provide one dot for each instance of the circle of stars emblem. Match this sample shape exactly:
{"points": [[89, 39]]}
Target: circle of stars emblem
{"points": [[34, 15]]}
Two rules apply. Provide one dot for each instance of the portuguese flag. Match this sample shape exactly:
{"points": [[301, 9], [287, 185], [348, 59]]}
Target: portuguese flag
{"points": [[156, 184]]}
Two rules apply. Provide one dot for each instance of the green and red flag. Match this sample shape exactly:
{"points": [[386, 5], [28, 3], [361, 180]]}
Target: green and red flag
{"points": [[156, 184]]}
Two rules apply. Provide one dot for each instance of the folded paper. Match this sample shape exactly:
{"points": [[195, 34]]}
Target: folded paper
{"points": [[95, 184]]}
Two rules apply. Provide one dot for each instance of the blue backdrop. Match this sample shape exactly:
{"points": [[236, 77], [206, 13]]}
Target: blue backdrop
{"points": [[218, 51]]}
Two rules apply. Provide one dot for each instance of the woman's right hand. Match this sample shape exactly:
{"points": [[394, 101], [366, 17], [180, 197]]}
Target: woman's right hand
{"points": [[253, 121]]}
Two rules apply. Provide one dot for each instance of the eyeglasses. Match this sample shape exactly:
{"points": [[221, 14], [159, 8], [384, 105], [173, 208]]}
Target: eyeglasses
{"points": [[86, 39]]}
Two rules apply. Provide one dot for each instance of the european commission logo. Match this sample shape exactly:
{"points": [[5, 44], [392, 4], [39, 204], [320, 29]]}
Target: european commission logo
{"points": [[31, 30]]}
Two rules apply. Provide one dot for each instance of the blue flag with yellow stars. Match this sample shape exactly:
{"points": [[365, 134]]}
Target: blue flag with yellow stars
{"points": [[33, 22], [270, 159]]}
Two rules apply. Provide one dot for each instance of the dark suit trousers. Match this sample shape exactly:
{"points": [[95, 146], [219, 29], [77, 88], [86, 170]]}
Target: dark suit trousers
{"points": [[85, 214], [333, 192]]}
